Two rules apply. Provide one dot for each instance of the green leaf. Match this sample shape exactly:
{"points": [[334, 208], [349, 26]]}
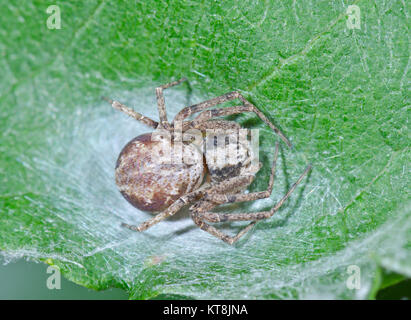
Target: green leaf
{"points": [[342, 96]]}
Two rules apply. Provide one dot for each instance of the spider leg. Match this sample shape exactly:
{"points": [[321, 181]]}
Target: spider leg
{"points": [[187, 111], [246, 107], [130, 112], [220, 217], [212, 113], [217, 233], [190, 198], [161, 103], [212, 124], [197, 209], [171, 210]]}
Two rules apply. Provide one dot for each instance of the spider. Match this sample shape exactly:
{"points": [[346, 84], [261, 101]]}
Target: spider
{"points": [[153, 186]]}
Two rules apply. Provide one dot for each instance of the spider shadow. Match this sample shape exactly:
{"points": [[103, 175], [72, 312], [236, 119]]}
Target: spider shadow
{"points": [[189, 92], [288, 205], [251, 120]]}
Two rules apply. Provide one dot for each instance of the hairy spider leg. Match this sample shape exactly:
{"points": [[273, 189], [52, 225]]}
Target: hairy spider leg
{"points": [[161, 103], [247, 107], [171, 210], [202, 206], [219, 234], [130, 112], [220, 217]]}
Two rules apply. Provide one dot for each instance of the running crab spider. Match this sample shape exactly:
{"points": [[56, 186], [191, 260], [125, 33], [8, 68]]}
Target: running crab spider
{"points": [[150, 185]]}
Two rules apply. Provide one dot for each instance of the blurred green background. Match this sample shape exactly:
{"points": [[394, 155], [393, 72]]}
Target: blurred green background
{"points": [[28, 280]]}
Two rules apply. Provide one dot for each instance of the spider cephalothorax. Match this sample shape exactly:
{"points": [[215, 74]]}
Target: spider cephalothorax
{"points": [[164, 170], [227, 155]]}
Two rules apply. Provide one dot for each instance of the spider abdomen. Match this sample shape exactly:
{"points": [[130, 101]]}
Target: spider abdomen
{"points": [[150, 179]]}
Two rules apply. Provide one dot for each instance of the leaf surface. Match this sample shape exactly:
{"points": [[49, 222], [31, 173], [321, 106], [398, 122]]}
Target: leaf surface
{"points": [[342, 96]]}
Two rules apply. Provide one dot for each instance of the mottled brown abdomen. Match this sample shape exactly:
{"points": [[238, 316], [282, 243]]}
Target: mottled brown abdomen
{"points": [[152, 182]]}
